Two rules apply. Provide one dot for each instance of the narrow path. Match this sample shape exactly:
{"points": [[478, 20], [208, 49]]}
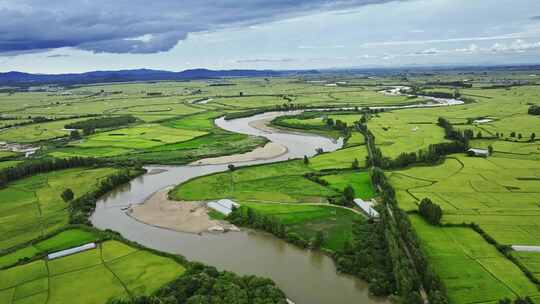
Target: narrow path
{"points": [[113, 273]]}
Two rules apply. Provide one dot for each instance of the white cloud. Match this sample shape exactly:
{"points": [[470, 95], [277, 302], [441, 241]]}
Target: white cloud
{"points": [[518, 46], [462, 39], [321, 46]]}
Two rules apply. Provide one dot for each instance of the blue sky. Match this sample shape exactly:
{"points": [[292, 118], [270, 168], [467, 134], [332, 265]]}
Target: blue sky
{"points": [[59, 36]]}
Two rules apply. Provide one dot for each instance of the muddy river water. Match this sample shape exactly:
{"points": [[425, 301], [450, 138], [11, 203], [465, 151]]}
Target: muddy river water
{"points": [[306, 277]]}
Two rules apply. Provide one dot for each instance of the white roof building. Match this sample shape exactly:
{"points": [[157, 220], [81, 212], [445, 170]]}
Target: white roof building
{"points": [[70, 251], [224, 206], [479, 152], [367, 207]]}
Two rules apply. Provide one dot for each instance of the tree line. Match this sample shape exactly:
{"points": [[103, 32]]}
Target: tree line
{"points": [[30, 168], [409, 263], [367, 257], [248, 217], [88, 126], [82, 207], [201, 284], [39, 119]]}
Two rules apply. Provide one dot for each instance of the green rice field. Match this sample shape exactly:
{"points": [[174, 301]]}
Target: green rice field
{"points": [[472, 270], [32, 207], [113, 270]]}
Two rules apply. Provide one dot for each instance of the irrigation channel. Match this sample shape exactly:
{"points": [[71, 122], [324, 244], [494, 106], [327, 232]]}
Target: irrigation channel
{"points": [[306, 277]]}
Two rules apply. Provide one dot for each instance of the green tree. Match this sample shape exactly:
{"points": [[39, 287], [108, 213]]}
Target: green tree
{"points": [[318, 240], [430, 211], [88, 131], [67, 195], [75, 135], [329, 122], [355, 164], [306, 160], [348, 194], [490, 149]]}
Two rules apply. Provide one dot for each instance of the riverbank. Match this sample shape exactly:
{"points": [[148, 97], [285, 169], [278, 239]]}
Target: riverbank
{"points": [[269, 151], [190, 217]]}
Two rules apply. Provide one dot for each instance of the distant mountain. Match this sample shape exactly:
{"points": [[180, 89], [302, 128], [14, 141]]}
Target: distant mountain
{"points": [[26, 79]]}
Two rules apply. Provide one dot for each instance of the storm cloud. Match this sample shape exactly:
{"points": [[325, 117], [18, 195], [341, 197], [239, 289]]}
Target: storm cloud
{"points": [[138, 26]]}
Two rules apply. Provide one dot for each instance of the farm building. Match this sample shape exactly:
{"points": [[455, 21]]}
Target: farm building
{"points": [[224, 206], [526, 248], [478, 152], [71, 251], [367, 207]]}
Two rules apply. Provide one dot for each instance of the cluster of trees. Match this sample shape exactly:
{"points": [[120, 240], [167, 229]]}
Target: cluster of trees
{"points": [[432, 155], [88, 126], [82, 207], [456, 83], [202, 284], [248, 217], [519, 300], [367, 257], [330, 124], [409, 263], [43, 165], [335, 124], [534, 110], [314, 177], [67, 195], [513, 134], [347, 197], [453, 134], [455, 94], [430, 211]]}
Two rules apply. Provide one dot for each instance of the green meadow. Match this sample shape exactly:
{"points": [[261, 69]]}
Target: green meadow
{"points": [[279, 182], [340, 159], [36, 132], [305, 220], [139, 137], [359, 181]]}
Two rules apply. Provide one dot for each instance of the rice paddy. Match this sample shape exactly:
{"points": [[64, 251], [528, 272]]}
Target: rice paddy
{"points": [[500, 193], [112, 270], [32, 207]]}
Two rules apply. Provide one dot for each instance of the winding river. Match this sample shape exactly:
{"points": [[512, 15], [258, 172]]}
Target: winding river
{"points": [[306, 277]]}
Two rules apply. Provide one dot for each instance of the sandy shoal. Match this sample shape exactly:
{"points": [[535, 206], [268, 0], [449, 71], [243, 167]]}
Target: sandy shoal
{"points": [[158, 210], [269, 151]]}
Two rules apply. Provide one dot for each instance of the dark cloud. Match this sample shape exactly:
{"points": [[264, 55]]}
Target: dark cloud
{"points": [[536, 18], [113, 26]]}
